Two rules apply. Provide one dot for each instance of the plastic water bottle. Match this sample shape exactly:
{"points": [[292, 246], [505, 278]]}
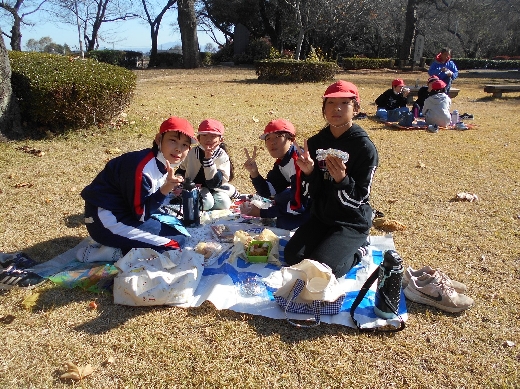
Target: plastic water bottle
{"points": [[190, 204], [454, 117], [388, 293]]}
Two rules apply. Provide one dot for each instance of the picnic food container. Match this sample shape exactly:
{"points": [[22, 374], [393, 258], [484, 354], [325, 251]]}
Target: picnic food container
{"points": [[258, 251]]}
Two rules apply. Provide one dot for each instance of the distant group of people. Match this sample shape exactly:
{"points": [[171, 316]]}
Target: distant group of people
{"points": [[320, 190], [432, 100]]}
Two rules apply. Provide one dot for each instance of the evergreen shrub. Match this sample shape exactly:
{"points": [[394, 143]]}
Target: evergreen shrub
{"points": [[290, 70], [367, 63], [59, 91], [126, 59]]}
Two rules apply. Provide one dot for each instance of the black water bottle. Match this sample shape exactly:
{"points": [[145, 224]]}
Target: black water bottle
{"points": [[388, 294], [190, 204]]}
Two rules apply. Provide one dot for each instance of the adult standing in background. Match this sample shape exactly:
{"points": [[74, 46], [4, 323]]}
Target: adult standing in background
{"points": [[444, 68]]}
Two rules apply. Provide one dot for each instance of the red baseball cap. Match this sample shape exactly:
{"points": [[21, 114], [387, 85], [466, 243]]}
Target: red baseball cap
{"points": [[342, 89], [432, 78], [178, 124], [398, 82], [278, 125], [438, 85], [211, 126]]}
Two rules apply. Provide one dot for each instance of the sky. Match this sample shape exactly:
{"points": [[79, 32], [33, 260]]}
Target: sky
{"points": [[126, 35]]}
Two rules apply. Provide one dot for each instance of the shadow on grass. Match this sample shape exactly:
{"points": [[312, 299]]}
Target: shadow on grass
{"points": [[490, 98]]}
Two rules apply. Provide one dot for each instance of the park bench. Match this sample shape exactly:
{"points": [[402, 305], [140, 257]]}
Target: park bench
{"points": [[414, 89], [497, 90]]}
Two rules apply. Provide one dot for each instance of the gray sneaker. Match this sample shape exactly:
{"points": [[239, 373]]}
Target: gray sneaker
{"points": [[430, 290], [411, 273]]}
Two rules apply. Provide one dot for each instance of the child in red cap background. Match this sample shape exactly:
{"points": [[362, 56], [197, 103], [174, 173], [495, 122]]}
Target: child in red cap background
{"points": [[393, 98], [121, 200], [338, 166], [283, 181], [437, 107], [209, 165], [422, 94]]}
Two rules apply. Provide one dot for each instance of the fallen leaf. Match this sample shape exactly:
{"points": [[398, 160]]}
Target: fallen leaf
{"points": [[7, 319], [75, 372], [421, 165], [23, 185], [255, 119], [509, 343], [92, 305], [388, 225], [113, 151], [30, 301], [463, 196], [110, 360]]}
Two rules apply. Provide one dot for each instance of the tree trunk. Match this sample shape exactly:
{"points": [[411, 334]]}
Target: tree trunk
{"points": [[16, 35], [154, 33], [188, 26], [409, 31], [9, 113]]}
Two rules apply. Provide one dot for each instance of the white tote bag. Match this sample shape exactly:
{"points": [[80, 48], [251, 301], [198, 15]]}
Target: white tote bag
{"points": [[147, 277]]}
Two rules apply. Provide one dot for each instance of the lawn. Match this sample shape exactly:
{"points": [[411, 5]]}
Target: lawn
{"points": [[419, 175]]}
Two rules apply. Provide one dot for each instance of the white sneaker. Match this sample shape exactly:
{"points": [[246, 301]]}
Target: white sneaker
{"points": [[411, 273], [430, 290]]}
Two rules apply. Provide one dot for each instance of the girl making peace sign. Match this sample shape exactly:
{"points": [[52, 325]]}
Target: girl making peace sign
{"points": [[337, 165]]}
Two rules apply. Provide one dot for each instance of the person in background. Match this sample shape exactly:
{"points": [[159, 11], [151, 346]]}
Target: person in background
{"points": [[338, 166], [444, 68], [283, 181], [209, 165], [393, 98], [422, 94], [121, 200], [437, 107]]}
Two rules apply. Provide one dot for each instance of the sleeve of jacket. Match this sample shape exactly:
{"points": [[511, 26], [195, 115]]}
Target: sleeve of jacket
{"points": [[354, 190], [451, 66], [382, 100]]}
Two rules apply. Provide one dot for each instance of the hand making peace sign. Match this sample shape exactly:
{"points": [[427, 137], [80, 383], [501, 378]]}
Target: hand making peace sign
{"points": [[250, 164], [304, 161]]}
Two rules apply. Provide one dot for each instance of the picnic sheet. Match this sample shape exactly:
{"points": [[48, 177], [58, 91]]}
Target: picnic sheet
{"points": [[397, 126], [239, 285]]}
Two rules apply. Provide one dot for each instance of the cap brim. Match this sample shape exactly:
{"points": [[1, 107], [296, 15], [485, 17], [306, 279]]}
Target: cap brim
{"points": [[340, 94], [209, 132]]}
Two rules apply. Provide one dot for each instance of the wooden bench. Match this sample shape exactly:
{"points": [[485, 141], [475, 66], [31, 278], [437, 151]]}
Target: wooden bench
{"points": [[497, 90], [414, 89]]}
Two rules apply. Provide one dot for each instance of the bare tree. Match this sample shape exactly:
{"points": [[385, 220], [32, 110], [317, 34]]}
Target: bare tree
{"points": [[14, 10], [188, 26], [155, 24], [9, 112], [89, 16]]}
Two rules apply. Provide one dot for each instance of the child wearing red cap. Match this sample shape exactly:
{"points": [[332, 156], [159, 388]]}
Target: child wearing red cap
{"points": [[283, 181], [338, 165], [209, 165], [422, 94], [121, 200], [393, 98], [437, 107]]}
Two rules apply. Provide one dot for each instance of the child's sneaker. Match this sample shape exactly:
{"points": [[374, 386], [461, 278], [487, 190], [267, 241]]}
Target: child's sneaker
{"points": [[466, 116], [461, 126], [411, 273], [433, 128], [12, 277], [19, 260], [432, 291]]}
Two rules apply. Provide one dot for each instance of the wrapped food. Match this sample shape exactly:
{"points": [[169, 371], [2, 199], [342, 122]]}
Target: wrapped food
{"points": [[321, 154]]}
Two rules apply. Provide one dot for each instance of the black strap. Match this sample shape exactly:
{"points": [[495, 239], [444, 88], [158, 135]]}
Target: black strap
{"points": [[362, 292]]}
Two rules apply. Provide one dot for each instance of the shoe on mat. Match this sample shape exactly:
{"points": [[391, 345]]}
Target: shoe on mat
{"points": [[19, 260], [410, 273], [466, 116], [433, 128], [461, 126], [432, 291], [12, 277]]}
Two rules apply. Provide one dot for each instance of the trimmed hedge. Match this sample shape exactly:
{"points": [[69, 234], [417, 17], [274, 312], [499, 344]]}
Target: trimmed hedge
{"points": [[60, 91], [367, 63], [290, 70], [126, 59], [474, 63]]}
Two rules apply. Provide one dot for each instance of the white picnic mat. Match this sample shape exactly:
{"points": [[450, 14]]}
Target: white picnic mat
{"points": [[248, 287]]}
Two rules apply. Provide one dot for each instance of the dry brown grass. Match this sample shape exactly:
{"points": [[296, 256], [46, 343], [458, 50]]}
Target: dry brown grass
{"points": [[419, 173]]}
